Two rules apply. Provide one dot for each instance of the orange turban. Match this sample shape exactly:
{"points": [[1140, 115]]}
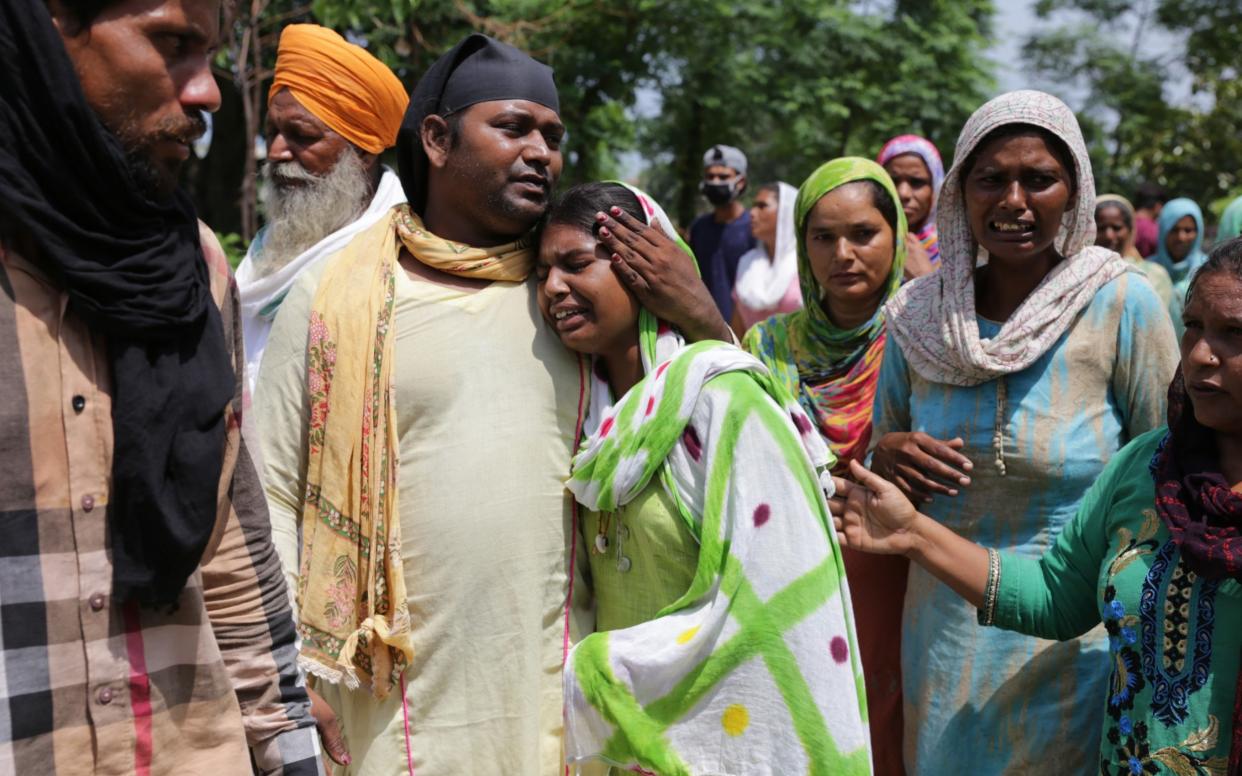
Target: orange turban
{"points": [[341, 85]]}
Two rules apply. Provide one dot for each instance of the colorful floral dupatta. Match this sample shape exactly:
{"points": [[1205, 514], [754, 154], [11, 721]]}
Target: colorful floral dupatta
{"points": [[832, 371], [352, 606], [754, 669]]}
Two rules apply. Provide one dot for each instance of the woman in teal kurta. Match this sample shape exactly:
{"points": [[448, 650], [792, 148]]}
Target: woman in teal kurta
{"points": [[1038, 397], [1154, 554], [1174, 636]]}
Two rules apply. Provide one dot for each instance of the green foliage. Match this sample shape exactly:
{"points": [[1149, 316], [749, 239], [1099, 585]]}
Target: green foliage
{"points": [[795, 83], [792, 82], [1134, 130], [234, 247], [1213, 29]]}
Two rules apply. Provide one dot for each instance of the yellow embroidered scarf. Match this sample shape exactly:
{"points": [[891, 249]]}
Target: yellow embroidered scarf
{"points": [[353, 615], [511, 262]]}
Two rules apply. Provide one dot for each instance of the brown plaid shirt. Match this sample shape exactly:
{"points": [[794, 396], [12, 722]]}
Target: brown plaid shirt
{"points": [[89, 685]]}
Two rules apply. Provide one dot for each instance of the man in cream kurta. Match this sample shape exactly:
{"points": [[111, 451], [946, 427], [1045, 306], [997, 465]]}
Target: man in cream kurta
{"points": [[487, 401], [486, 407]]}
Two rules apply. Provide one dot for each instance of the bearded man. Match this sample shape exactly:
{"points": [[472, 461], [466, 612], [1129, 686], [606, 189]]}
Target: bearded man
{"points": [[419, 418], [144, 622], [332, 109]]}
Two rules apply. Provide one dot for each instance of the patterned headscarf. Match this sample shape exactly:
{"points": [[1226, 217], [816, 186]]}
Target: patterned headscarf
{"points": [[658, 340], [934, 318], [1192, 496], [1173, 211], [832, 371], [923, 149]]}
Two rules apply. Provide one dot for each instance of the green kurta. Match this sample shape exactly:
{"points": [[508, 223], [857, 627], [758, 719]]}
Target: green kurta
{"points": [[647, 563], [1174, 638]]}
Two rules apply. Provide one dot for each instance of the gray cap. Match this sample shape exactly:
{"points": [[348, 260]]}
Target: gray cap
{"points": [[727, 156]]}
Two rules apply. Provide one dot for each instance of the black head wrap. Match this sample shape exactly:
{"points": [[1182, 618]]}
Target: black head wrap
{"points": [[478, 69], [134, 270]]}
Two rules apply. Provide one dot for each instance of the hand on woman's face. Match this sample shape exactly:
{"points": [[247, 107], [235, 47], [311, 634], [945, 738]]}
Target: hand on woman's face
{"points": [[1181, 237], [580, 296], [914, 185], [763, 217], [1111, 230], [850, 247], [1015, 196], [1212, 351]]}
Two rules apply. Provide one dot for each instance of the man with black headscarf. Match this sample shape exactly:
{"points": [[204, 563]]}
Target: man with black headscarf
{"points": [[418, 423], [144, 624]]}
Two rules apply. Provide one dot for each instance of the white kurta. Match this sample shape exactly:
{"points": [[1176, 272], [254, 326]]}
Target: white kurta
{"points": [[487, 400]]}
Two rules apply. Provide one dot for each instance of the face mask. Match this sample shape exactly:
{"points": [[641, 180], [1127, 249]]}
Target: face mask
{"points": [[719, 193]]}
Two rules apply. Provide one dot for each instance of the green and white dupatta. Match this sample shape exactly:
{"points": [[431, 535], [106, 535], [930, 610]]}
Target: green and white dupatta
{"points": [[754, 669]]}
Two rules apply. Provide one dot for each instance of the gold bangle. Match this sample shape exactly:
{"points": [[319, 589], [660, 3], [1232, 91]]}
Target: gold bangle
{"points": [[991, 590]]}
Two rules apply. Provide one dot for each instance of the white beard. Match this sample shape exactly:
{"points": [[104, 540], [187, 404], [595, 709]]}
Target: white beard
{"points": [[302, 215]]}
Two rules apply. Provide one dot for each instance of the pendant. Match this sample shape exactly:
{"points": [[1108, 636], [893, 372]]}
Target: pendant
{"points": [[601, 543]]}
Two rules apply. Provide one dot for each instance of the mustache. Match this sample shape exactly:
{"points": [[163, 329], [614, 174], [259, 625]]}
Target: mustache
{"points": [[523, 169], [186, 128], [288, 172]]}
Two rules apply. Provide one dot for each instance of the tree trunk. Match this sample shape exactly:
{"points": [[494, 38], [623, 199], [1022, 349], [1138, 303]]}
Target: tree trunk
{"points": [[688, 171], [215, 180]]}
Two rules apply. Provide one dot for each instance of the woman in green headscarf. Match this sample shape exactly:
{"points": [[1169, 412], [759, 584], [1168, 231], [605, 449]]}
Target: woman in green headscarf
{"points": [[851, 234]]}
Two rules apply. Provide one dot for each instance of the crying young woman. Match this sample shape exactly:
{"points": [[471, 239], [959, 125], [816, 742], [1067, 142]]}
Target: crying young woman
{"points": [[725, 641]]}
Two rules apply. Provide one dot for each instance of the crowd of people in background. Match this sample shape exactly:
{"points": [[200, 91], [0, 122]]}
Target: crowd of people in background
{"points": [[905, 469]]}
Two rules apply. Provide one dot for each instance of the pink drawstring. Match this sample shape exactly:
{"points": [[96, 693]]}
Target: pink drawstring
{"points": [[573, 540], [405, 717]]}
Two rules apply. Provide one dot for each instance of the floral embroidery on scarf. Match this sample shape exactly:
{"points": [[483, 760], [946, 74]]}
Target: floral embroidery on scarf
{"points": [[340, 607], [353, 616], [320, 362]]}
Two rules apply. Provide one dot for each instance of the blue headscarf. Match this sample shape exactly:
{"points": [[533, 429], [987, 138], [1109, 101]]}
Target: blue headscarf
{"points": [[1175, 210], [1183, 271]]}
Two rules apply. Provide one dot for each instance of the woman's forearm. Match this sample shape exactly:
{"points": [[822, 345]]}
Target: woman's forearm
{"points": [[958, 562]]}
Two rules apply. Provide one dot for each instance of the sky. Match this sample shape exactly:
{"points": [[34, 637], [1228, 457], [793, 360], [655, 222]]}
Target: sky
{"points": [[1013, 23]]}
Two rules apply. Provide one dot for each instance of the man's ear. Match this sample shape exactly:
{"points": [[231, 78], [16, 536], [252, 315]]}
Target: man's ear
{"points": [[371, 163], [66, 23], [741, 185], [437, 140]]}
